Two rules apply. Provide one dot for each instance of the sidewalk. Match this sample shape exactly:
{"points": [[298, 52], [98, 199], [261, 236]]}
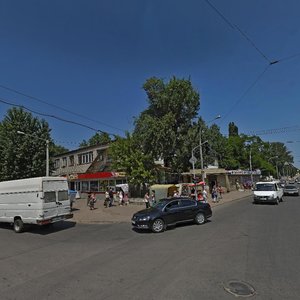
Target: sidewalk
{"points": [[118, 214]]}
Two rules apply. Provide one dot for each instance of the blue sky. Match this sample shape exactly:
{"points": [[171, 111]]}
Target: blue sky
{"points": [[92, 57]]}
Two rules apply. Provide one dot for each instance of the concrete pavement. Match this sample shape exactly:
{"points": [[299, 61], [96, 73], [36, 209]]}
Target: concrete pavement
{"points": [[118, 214]]}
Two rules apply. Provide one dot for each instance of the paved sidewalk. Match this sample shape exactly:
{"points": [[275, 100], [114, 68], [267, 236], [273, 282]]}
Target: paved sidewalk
{"points": [[118, 214]]}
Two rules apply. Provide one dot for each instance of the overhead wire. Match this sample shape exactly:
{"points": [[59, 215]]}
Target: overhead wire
{"points": [[56, 106], [245, 93], [236, 27], [5, 101]]}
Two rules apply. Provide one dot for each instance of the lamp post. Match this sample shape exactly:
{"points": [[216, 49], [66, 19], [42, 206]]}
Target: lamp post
{"points": [[277, 173], [200, 147], [250, 161], [193, 159], [47, 148]]}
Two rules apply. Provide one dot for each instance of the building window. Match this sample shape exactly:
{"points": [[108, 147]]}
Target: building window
{"points": [[56, 164], [64, 162], [85, 186], [85, 158], [94, 186], [100, 154], [71, 160]]}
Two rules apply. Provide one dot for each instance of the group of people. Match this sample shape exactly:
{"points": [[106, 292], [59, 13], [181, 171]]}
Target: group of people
{"points": [[109, 199], [216, 194], [149, 199]]}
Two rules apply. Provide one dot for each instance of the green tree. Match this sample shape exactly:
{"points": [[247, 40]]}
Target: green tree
{"points": [[162, 129], [22, 156], [96, 139], [233, 129], [127, 156]]}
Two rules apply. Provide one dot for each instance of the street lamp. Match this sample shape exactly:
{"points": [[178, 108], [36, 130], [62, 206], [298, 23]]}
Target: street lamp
{"points": [[193, 159], [47, 148], [200, 146], [276, 164], [250, 161]]}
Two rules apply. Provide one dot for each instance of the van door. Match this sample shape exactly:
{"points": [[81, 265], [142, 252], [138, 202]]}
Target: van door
{"points": [[63, 202], [56, 202], [50, 206]]}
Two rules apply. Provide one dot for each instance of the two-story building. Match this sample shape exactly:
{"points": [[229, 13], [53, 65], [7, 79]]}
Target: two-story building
{"points": [[88, 169]]}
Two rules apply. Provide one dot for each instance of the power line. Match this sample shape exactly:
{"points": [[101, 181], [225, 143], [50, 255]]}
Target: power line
{"points": [[275, 130], [56, 106], [246, 92], [233, 26], [54, 117]]}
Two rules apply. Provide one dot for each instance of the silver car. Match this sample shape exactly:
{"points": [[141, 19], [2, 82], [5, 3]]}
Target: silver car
{"points": [[291, 189]]}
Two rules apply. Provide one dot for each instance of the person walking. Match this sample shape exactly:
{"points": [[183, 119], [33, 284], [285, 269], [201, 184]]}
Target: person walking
{"points": [[146, 200], [153, 200], [111, 197], [214, 194], [204, 194], [220, 192], [106, 200], [92, 201]]}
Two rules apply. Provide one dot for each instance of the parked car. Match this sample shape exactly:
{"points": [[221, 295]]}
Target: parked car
{"points": [[171, 211], [291, 189]]}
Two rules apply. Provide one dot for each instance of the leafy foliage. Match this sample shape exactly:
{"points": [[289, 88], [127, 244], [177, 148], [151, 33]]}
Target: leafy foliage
{"points": [[96, 139], [163, 127], [22, 156], [129, 157]]}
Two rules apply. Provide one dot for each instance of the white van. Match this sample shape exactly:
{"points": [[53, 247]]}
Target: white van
{"points": [[40, 200], [268, 191]]}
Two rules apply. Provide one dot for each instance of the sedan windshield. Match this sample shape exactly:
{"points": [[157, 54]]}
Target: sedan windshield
{"points": [[290, 187]]}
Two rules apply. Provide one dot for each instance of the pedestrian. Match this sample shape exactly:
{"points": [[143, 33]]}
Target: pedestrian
{"points": [[200, 196], [126, 199], [92, 201], [220, 192], [214, 194], [106, 201], [111, 197], [153, 200], [146, 200], [121, 198], [204, 194]]}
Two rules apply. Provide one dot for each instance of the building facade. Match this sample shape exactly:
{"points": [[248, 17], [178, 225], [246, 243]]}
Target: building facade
{"points": [[88, 169]]}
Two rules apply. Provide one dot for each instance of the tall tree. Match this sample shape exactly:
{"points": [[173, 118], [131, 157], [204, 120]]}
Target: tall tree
{"points": [[233, 129], [22, 156], [128, 156], [96, 139], [163, 127]]}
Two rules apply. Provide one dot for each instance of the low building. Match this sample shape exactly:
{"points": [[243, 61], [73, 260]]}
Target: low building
{"points": [[88, 169]]}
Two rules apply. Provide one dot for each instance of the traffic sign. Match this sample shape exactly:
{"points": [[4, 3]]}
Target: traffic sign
{"points": [[193, 160]]}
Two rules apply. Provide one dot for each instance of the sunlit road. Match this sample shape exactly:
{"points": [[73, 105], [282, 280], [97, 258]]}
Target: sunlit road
{"points": [[255, 244]]}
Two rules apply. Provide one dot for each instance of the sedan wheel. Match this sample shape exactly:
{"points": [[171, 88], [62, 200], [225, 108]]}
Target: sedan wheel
{"points": [[158, 225], [200, 219]]}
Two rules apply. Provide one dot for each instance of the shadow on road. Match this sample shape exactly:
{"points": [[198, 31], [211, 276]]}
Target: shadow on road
{"points": [[43, 230]]}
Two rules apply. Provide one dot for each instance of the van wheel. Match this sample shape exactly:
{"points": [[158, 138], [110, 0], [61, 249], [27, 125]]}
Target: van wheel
{"points": [[18, 225]]}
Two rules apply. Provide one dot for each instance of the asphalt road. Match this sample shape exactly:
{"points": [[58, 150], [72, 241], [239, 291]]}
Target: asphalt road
{"points": [[253, 244]]}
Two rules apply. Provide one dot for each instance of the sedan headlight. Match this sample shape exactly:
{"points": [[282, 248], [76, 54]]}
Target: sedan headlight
{"points": [[271, 197], [146, 218]]}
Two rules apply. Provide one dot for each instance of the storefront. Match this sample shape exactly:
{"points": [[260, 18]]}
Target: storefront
{"points": [[96, 182]]}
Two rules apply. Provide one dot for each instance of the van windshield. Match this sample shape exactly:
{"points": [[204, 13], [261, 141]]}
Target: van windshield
{"points": [[265, 187]]}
